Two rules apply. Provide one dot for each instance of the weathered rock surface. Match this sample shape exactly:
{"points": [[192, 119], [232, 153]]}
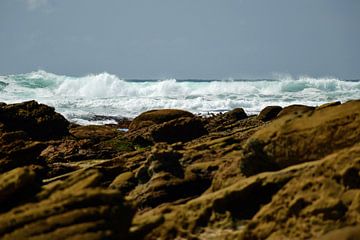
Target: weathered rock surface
{"points": [[69, 209], [269, 113], [294, 139], [289, 175], [37, 120], [152, 117], [181, 129]]}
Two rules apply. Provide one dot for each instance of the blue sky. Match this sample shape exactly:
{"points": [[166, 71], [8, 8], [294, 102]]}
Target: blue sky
{"points": [[181, 39]]}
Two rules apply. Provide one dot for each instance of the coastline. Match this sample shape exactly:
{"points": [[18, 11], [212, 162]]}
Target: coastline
{"points": [[286, 173]]}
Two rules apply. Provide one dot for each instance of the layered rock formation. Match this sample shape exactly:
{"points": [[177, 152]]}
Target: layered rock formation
{"points": [[288, 173]]}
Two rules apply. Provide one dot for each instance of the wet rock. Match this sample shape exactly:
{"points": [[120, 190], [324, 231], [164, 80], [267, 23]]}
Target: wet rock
{"points": [[269, 113], [37, 120], [157, 116]]}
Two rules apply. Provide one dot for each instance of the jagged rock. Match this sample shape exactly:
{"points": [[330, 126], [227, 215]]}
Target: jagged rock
{"points": [[315, 202], [157, 116], [230, 119], [294, 139], [269, 113], [295, 109], [222, 211], [37, 120]]}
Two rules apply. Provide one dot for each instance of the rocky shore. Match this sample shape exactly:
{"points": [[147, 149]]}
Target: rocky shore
{"points": [[287, 173]]}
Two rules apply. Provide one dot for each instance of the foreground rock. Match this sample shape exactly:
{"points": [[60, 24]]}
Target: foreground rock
{"points": [[74, 209], [291, 173]]}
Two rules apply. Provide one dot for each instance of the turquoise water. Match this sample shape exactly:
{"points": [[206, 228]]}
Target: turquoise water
{"points": [[81, 99]]}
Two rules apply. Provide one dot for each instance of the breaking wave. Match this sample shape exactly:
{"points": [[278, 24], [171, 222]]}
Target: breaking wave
{"points": [[106, 94]]}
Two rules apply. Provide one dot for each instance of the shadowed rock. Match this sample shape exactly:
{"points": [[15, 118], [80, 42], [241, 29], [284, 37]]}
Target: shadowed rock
{"points": [[37, 120], [269, 113]]}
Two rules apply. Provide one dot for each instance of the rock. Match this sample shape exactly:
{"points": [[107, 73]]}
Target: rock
{"points": [[17, 185], [124, 182], [16, 150], [94, 132], [269, 113], [157, 116], [295, 109], [331, 104], [314, 202], [39, 121], [346, 233], [294, 139], [74, 208], [177, 130], [236, 114]]}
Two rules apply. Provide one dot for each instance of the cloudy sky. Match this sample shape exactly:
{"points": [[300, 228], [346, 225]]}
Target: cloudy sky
{"points": [[182, 39]]}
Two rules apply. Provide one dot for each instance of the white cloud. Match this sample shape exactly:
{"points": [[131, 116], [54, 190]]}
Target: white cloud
{"points": [[35, 4]]}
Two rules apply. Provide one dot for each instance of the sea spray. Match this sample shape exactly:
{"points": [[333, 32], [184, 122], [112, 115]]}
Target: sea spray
{"points": [[81, 98]]}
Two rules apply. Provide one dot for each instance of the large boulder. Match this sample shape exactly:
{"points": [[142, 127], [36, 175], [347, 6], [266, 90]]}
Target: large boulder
{"points": [[293, 139], [37, 120], [157, 116]]}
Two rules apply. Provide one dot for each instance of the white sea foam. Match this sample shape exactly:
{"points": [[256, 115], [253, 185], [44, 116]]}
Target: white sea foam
{"points": [[106, 94]]}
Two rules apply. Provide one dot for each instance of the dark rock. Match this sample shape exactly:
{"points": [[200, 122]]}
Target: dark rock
{"points": [[236, 114], [17, 150], [37, 120], [269, 113], [157, 116], [177, 130]]}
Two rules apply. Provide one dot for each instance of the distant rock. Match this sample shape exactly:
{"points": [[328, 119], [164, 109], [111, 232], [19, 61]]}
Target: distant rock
{"points": [[156, 117], [295, 109], [269, 113], [39, 121], [177, 130]]}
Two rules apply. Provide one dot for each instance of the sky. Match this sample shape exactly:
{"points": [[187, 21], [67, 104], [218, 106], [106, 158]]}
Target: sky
{"points": [[207, 39]]}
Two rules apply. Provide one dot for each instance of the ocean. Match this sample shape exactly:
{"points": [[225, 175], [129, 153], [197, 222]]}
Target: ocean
{"points": [[103, 98]]}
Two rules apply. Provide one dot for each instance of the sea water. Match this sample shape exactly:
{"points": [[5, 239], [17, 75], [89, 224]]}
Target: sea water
{"points": [[101, 98]]}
